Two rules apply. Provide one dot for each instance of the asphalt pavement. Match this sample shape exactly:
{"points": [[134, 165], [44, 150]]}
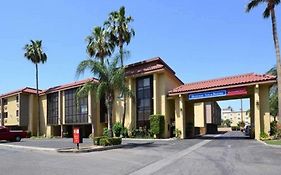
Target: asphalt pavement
{"points": [[227, 154]]}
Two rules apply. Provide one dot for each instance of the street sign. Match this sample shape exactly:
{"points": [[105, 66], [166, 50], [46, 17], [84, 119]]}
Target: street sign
{"points": [[218, 93], [209, 94]]}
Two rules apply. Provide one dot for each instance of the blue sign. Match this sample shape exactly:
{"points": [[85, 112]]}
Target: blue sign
{"points": [[209, 94]]}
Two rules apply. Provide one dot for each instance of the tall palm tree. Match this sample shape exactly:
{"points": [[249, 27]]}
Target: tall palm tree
{"points": [[273, 95], [98, 44], [35, 54], [270, 12], [110, 80], [120, 34]]}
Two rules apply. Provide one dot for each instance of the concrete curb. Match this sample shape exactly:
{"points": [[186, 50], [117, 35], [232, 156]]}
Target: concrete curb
{"points": [[150, 140], [28, 147], [275, 146], [102, 148]]}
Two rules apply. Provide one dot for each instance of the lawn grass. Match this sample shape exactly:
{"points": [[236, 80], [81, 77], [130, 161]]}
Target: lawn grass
{"points": [[273, 142]]}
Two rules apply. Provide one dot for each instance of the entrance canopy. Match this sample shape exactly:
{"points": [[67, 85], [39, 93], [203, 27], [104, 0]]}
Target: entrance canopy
{"points": [[189, 97], [231, 82]]}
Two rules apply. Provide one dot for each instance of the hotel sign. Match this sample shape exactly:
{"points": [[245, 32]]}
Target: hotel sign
{"points": [[218, 93]]}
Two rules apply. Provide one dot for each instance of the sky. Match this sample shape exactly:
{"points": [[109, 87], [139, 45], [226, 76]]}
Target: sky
{"points": [[199, 41]]}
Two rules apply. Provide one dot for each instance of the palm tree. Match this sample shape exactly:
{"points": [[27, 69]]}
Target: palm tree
{"points": [[35, 54], [273, 95], [110, 80], [98, 44], [120, 34], [270, 12]]}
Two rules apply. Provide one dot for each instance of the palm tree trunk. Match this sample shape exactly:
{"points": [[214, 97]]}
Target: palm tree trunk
{"points": [[124, 94], [278, 63], [38, 102], [109, 116]]}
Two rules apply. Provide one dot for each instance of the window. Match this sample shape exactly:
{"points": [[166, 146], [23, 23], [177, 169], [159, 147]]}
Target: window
{"points": [[5, 101], [17, 113], [17, 98], [75, 112], [103, 111], [144, 101], [5, 115], [52, 108]]}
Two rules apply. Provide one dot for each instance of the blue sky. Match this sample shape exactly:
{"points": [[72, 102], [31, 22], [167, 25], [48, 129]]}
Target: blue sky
{"points": [[199, 41]]}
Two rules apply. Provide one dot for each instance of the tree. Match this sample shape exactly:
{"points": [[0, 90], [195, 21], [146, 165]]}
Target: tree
{"points": [[99, 45], [273, 95], [110, 80], [35, 54], [120, 34], [270, 12]]}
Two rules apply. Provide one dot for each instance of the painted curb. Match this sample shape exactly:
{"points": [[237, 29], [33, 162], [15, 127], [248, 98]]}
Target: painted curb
{"points": [[275, 146], [97, 149], [28, 147]]}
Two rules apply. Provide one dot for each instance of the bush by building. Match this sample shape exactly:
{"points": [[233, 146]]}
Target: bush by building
{"points": [[157, 125]]}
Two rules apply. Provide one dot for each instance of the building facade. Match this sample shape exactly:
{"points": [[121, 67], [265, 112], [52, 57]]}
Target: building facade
{"points": [[18, 109], [189, 108], [236, 116]]}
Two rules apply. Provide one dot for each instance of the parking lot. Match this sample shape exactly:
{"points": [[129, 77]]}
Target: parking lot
{"points": [[225, 154]]}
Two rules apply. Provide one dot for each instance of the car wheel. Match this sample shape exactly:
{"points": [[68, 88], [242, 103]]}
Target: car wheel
{"points": [[18, 138]]}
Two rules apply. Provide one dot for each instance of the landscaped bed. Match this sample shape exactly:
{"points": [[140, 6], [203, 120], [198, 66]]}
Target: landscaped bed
{"points": [[273, 142]]}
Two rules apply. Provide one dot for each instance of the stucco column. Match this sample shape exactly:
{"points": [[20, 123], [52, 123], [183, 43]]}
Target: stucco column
{"points": [[180, 115], [155, 94], [130, 120], [264, 108], [257, 113], [252, 115]]}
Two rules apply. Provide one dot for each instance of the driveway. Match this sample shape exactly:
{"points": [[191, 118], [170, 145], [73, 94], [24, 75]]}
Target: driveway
{"points": [[227, 154]]}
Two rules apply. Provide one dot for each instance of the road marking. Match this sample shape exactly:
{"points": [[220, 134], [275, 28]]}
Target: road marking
{"points": [[28, 147], [156, 166]]}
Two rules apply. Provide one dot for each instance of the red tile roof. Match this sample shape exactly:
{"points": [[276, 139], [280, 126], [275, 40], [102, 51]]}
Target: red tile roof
{"points": [[68, 86], [146, 66], [244, 79], [23, 90]]}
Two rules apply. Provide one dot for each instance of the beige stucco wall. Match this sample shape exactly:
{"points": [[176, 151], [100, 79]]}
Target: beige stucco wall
{"points": [[43, 117], [11, 108], [199, 117]]}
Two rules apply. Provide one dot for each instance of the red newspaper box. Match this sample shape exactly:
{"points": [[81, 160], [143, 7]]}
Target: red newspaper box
{"points": [[77, 136]]}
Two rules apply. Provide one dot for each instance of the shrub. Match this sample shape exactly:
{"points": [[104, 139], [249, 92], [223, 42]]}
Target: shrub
{"points": [[117, 129], [96, 140], [273, 128], [178, 133], [141, 133], [125, 132], [105, 131], [157, 124], [107, 141], [263, 135]]}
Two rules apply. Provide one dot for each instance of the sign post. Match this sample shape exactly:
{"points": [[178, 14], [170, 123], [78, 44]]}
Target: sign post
{"points": [[77, 137]]}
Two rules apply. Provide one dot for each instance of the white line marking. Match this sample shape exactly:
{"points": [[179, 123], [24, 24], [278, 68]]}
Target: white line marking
{"points": [[156, 166]]}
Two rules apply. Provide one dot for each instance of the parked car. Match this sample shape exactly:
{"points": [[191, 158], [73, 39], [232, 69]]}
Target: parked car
{"points": [[247, 130], [14, 136]]}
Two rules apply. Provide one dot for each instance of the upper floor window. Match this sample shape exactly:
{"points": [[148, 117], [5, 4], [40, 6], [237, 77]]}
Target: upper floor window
{"points": [[17, 98], [5, 101], [144, 88], [52, 108], [76, 110]]}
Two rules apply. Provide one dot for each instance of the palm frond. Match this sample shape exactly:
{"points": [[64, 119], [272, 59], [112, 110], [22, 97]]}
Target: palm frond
{"points": [[266, 12], [252, 4]]}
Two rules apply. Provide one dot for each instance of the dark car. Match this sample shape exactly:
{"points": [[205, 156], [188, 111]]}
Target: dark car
{"points": [[14, 136]]}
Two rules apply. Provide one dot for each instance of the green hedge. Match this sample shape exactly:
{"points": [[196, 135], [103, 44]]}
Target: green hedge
{"points": [[157, 124], [106, 141]]}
